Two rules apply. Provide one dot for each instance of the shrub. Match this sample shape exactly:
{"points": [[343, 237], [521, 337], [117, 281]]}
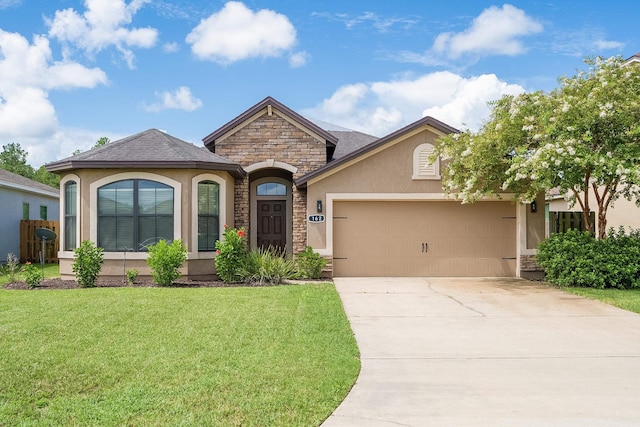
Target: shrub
{"points": [[88, 259], [310, 264], [165, 260], [32, 275], [577, 258], [132, 275], [11, 268], [266, 266], [230, 255]]}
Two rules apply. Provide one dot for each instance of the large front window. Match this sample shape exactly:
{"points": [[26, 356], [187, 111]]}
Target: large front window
{"points": [[208, 215], [134, 214]]}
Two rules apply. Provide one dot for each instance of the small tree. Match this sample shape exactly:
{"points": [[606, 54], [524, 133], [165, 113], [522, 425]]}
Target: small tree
{"points": [[165, 260], [582, 137]]}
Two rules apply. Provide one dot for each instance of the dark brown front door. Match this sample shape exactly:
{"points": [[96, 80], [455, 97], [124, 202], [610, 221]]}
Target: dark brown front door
{"points": [[271, 224]]}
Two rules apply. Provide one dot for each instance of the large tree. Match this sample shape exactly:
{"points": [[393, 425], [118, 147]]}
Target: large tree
{"points": [[14, 159], [582, 138]]}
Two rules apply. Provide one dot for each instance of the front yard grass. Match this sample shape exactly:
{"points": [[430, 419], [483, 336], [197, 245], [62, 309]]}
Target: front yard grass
{"points": [[282, 355], [628, 299]]}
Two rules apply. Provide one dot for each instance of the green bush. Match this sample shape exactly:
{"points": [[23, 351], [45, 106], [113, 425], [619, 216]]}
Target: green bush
{"points": [[310, 264], [577, 258], [132, 275], [87, 263], [32, 275], [266, 266], [231, 252], [165, 260]]}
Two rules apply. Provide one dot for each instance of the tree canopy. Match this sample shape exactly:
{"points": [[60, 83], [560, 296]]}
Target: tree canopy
{"points": [[14, 159], [583, 136]]}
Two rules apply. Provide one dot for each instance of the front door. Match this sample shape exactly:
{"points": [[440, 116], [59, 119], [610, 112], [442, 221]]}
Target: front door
{"points": [[271, 224]]}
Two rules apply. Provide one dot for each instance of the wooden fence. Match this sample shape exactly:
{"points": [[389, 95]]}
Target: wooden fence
{"points": [[30, 245], [559, 222]]}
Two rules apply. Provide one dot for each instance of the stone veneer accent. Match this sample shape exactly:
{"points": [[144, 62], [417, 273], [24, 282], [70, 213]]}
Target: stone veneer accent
{"points": [[528, 263], [272, 137]]}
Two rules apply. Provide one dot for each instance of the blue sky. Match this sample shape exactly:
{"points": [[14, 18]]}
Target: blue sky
{"points": [[74, 71]]}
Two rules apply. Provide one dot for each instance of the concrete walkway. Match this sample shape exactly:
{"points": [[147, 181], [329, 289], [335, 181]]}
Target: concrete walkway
{"points": [[487, 352]]}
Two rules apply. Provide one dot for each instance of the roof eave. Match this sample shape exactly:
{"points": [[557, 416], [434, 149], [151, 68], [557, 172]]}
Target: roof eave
{"points": [[234, 169]]}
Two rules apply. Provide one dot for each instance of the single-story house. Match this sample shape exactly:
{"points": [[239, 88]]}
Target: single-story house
{"points": [[22, 198], [371, 206]]}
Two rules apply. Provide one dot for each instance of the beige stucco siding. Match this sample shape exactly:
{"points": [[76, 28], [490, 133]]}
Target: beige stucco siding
{"points": [[183, 179]]}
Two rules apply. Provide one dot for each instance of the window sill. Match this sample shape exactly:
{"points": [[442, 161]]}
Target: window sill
{"points": [[425, 177]]}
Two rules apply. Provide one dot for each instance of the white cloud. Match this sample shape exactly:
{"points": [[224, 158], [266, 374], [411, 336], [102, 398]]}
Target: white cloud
{"points": [[298, 59], [496, 31], [382, 24], [379, 108], [179, 99], [61, 144], [103, 24], [236, 33], [27, 74], [608, 44], [172, 47]]}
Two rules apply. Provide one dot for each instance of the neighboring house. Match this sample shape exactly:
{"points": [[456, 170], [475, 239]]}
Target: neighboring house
{"points": [[623, 213], [371, 206], [22, 198]]}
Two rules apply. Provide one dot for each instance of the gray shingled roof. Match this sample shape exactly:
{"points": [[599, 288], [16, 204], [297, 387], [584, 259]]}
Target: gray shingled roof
{"points": [[149, 149], [350, 140], [13, 180]]}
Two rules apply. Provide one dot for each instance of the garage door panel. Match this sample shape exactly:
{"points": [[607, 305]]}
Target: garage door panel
{"points": [[424, 239]]}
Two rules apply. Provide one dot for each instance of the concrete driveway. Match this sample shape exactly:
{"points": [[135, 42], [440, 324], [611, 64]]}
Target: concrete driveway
{"points": [[487, 352]]}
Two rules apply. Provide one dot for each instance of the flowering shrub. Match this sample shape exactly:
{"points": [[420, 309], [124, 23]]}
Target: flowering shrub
{"points": [[88, 259], [165, 260], [32, 275], [231, 255]]}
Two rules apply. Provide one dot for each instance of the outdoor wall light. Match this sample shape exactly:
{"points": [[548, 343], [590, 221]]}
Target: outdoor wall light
{"points": [[319, 206], [534, 207]]}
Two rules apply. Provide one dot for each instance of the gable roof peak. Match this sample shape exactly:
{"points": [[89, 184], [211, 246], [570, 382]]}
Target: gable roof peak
{"points": [[269, 103]]}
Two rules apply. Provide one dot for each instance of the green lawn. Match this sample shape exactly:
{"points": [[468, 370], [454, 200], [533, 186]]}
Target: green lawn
{"points": [[628, 299], [276, 356]]}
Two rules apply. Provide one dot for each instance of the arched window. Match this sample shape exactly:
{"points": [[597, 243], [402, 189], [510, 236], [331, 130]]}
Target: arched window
{"points": [[422, 168], [208, 215], [133, 214], [271, 189], [70, 215]]}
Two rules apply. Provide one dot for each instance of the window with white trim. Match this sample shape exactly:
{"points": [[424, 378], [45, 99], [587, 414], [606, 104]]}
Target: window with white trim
{"points": [[133, 214], [70, 215], [208, 215], [422, 168]]}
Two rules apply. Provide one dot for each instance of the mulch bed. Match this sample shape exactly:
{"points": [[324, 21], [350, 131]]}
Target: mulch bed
{"points": [[58, 283]]}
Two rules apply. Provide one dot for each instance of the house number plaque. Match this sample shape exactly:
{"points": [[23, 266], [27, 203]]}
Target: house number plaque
{"points": [[316, 218]]}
